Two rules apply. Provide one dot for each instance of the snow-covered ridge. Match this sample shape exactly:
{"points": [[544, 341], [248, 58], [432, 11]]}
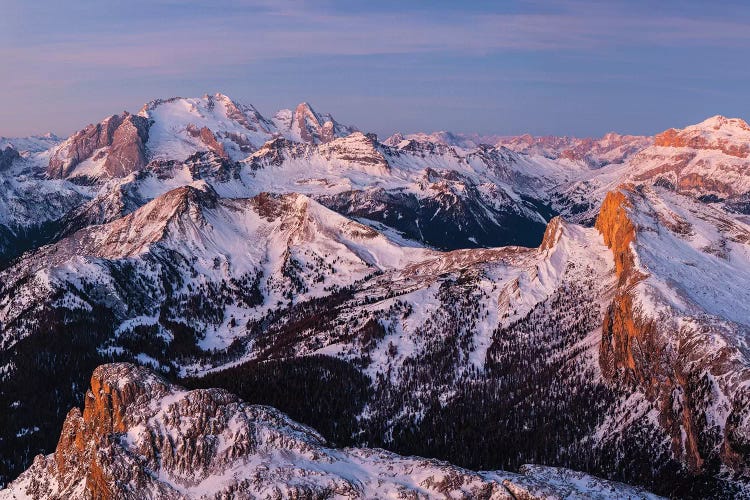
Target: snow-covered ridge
{"points": [[711, 158], [699, 251], [680, 315], [518, 182], [218, 239], [477, 195], [729, 135], [194, 214], [176, 128], [139, 435], [593, 152], [31, 144]]}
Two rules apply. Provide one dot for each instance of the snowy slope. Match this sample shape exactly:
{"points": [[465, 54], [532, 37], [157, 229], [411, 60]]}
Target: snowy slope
{"points": [[200, 238], [679, 321], [591, 152], [177, 123], [165, 442], [697, 252], [281, 277], [32, 144], [709, 158], [481, 196], [709, 161], [30, 205], [277, 244]]}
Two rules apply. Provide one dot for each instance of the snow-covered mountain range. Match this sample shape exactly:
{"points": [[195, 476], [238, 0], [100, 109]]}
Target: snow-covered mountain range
{"points": [[567, 302]]}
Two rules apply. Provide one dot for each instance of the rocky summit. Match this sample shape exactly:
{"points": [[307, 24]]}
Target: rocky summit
{"points": [[141, 437]]}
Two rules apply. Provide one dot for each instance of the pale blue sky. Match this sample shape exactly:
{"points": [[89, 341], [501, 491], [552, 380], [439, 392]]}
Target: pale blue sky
{"points": [[564, 67]]}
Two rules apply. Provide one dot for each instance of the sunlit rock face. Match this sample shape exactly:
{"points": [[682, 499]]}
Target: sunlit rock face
{"points": [[115, 148], [139, 436], [709, 159], [684, 348]]}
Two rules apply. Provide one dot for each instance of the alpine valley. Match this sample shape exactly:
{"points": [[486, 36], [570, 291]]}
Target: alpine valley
{"points": [[267, 305]]}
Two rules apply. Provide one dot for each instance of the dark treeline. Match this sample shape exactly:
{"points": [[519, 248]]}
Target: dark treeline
{"points": [[51, 368], [323, 392]]}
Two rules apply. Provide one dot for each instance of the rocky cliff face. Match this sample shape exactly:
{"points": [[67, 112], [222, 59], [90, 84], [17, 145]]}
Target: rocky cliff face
{"points": [[208, 139], [311, 127], [628, 340], [139, 436], [709, 160], [653, 336], [118, 141], [618, 231]]}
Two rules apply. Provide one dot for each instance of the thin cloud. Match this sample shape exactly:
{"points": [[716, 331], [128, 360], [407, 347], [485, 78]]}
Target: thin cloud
{"points": [[224, 39], [159, 42]]}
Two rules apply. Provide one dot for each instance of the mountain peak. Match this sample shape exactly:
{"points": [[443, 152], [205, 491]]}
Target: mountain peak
{"points": [[222, 97], [718, 122], [176, 128], [308, 126], [394, 140], [179, 212], [728, 135]]}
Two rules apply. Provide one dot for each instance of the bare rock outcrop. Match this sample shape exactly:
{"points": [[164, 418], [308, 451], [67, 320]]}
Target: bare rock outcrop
{"points": [[708, 138], [651, 338], [141, 437], [208, 139], [120, 141], [313, 128]]}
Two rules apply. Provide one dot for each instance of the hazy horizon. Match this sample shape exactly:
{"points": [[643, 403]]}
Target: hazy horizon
{"points": [[560, 68], [381, 134]]}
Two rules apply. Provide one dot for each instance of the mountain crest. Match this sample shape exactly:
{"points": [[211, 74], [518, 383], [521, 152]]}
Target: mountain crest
{"points": [[717, 122], [731, 136], [177, 210]]}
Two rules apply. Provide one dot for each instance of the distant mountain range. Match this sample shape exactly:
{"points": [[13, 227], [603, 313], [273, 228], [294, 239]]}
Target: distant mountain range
{"points": [[488, 301]]}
